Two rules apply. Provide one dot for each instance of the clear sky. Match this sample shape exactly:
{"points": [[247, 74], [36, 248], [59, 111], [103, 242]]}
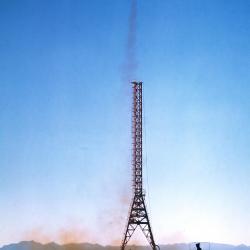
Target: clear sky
{"points": [[65, 119]]}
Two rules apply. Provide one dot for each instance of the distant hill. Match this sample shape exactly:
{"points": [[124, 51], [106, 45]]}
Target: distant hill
{"points": [[32, 245]]}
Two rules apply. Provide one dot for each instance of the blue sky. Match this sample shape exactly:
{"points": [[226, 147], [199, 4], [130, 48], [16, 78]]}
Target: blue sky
{"points": [[65, 119]]}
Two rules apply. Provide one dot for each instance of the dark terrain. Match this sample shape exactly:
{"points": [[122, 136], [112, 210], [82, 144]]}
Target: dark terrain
{"points": [[32, 245]]}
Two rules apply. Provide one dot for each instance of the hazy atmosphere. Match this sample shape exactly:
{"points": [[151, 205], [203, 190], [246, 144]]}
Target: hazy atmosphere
{"points": [[65, 119]]}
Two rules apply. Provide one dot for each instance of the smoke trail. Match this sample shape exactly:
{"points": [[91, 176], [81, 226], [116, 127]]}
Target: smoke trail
{"points": [[131, 64], [114, 218]]}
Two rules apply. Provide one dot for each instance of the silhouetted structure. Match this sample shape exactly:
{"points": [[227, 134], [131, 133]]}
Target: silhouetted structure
{"points": [[138, 215], [198, 246]]}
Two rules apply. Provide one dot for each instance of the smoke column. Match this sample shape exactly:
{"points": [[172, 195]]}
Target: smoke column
{"points": [[130, 65], [114, 219]]}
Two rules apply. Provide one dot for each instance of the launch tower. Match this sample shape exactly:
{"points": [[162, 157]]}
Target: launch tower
{"points": [[138, 215]]}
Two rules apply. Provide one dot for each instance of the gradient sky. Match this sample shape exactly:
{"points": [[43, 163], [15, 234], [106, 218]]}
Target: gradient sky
{"points": [[65, 119]]}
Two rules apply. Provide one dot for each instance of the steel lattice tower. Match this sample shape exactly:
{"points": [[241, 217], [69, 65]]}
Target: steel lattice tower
{"points": [[138, 215]]}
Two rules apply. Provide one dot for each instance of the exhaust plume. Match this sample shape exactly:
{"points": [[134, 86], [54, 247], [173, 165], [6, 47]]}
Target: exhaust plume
{"points": [[131, 64]]}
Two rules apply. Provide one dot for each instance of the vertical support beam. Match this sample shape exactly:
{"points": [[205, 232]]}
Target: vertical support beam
{"points": [[137, 137]]}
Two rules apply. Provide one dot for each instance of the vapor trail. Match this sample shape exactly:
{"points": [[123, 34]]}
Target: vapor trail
{"points": [[130, 65]]}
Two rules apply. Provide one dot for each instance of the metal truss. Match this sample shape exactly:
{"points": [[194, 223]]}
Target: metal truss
{"points": [[138, 215]]}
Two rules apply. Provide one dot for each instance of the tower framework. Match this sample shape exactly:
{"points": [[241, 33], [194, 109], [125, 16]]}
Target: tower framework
{"points": [[138, 215]]}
